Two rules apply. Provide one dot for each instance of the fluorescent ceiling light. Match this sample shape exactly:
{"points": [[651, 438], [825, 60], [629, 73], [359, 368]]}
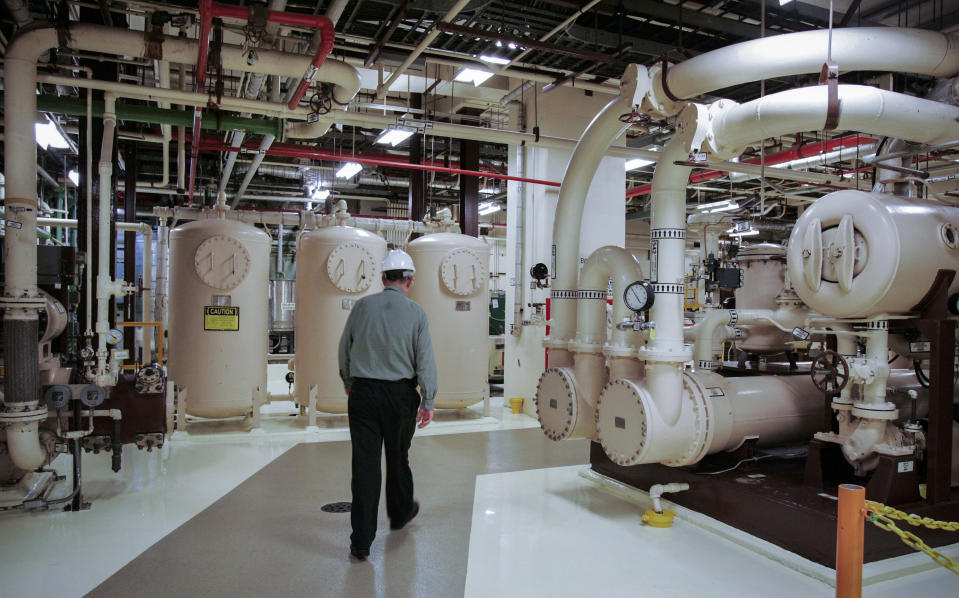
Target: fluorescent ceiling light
{"points": [[348, 170], [320, 194], [494, 59], [638, 163], [394, 136], [489, 190], [74, 177], [718, 206], [474, 76], [488, 208], [48, 136], [784, 2]]}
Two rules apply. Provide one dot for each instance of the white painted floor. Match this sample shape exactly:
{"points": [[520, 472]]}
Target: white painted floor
{"points": [[548, 532], [555, 533], [156, 492]]}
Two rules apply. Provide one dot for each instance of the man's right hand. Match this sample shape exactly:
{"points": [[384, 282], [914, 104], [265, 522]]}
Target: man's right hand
{"points": [[424, 417]]}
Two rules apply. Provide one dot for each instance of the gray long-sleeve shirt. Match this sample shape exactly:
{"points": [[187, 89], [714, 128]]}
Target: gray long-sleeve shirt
{"points": [[387, 337]]}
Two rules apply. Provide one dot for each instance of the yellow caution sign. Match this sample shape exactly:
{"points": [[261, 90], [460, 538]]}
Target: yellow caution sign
{"points": [[221, 317]]}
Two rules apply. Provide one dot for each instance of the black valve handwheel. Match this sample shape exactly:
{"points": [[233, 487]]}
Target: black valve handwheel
{"points": [[830, 372]]}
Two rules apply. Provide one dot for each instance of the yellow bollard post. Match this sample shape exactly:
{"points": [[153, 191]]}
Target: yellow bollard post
{"points": [[850, 527]]}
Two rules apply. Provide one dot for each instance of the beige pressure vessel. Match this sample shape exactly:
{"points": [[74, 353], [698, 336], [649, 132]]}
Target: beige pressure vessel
{"points": [[764, 271], [335, 266], [452, 285], [218, 315], [856, 254]]}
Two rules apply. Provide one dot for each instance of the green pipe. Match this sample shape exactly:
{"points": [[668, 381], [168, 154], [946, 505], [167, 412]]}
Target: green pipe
{"points": [[212, 120]]}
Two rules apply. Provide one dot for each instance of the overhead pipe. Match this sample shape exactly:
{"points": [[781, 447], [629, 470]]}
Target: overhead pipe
{"points": [[797, 152], [19, 11], [162, 67], [300, 151], [431, 35], [854, 49], [261, 152]]}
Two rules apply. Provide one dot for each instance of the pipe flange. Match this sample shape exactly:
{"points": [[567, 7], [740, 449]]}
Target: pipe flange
{"points": [[619, 350], [28, 413], [583, 347], [680, 355], [700, 408], [885, 411], [621, 422], [36, 303], [556, 403], [556, 343]]}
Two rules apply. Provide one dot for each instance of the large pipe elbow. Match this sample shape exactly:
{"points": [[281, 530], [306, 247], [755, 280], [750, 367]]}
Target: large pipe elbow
{"points": [[23, 444]]}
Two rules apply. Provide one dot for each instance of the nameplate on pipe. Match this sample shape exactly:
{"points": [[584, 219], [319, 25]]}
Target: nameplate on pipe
{"points": [[222, 318]]}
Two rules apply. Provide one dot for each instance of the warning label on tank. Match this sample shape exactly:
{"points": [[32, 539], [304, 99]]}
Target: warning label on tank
{"points": [[221, 317]]}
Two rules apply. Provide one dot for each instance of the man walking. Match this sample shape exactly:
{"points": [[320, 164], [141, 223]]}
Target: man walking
{"points": [[384, 353]]}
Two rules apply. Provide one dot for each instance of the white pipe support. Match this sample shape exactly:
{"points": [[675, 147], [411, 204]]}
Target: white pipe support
{"points": [[860, 48], [589, 152], [656, 492], [867, 109]]}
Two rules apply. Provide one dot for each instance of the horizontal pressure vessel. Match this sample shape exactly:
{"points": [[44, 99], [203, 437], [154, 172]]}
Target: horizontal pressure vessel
{"points": [[856, 254]]}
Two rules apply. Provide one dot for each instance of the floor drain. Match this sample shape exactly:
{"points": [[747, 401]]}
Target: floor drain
{"points": [[337, 507]]}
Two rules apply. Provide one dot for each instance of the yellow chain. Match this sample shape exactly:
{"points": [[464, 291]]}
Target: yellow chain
{"points": [[882, 517]]}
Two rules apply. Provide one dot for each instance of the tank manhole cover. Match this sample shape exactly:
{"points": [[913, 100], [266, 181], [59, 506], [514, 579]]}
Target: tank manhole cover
{"points": [[337, 507]]}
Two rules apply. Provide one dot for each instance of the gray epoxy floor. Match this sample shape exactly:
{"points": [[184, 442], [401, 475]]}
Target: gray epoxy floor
{"points": [[268, 537]]}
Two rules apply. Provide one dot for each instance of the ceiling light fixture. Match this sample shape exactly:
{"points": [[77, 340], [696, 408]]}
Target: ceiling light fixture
{"points": [[47, 136], [638, 163], [494, 59], [475, 76], [395, 135], [718, 206], [320, 194], [348, 170], [74, 177], [488, 208]]}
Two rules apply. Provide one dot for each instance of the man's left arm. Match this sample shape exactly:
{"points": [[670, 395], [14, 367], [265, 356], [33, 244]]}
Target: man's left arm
{"points": [[343, 353]]}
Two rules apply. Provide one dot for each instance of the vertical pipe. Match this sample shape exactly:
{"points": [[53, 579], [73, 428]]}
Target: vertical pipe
{"points": [[103, 259], [181, 142], [469, 188], [162, 275], [850, 526], [265, 144], [130, 245]]}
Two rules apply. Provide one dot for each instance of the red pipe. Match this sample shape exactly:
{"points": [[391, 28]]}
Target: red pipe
{"points": [[793, 153], [319, 22], [289, 150]]}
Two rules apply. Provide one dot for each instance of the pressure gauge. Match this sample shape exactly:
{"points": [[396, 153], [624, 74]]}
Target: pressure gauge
{"points": [[639, 296], [114, 336]]}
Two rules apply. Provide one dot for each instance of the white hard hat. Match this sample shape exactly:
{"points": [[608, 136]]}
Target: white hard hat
{"points": [[397, 259]]}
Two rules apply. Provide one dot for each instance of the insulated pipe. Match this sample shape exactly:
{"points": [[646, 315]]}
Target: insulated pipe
{"points": [[265, 144], [589, 152], [162, 276], [786, 317], [162, 67], [105, 285], [431, 35], [854, 49], [605, 264], [667, 352], [862, 108], [21, 299]]}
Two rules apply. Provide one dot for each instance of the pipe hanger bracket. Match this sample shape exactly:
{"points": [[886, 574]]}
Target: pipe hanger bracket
{"points": [[829, 76]]}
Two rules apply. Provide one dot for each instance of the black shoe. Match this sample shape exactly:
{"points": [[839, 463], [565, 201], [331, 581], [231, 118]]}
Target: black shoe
{"points": [[395, 525], [359, 553]]}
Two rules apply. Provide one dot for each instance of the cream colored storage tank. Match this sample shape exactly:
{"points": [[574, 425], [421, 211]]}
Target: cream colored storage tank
{"points": [[452, 285], [335, 266], [218, 315], [855, 254], [764, 272]]}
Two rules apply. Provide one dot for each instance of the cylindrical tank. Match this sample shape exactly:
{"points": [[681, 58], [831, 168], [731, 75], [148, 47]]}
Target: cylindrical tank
{"points": [[335, 266], [282, 305], [452, 285], [764, 271], [855, 254], [218, 314]]}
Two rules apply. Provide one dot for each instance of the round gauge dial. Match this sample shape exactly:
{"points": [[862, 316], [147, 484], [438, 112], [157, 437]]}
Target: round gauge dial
{"points": [[351, 267], [114, 336], [222, 262], [639, 296], [463, 272]]}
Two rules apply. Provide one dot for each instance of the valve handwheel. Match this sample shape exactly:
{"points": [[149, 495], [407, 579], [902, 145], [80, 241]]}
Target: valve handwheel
{"points": [[830, 372]]}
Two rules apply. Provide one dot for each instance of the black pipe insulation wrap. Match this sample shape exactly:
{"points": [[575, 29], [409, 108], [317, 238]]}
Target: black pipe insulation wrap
{"points": [[22, 375]]}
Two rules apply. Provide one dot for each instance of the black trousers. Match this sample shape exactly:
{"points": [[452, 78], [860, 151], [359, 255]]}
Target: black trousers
{"points": [[381, 413]]}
